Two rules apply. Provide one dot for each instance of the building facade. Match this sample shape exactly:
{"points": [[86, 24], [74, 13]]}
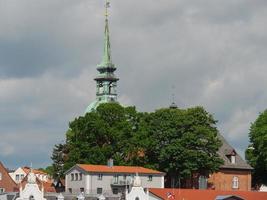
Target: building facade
{"points": [[234, 174], [31, 190], [19, 174], [104, 179], [6, 182]]}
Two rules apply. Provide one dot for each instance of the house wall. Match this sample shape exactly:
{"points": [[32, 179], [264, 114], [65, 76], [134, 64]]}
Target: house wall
{"points": [[107, 179], [90, 181], [223, 180], [75, 185], [19, 173], [6, 182]]}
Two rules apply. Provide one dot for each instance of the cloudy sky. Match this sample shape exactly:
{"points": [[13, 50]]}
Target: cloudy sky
{"points": [[212, 51]]}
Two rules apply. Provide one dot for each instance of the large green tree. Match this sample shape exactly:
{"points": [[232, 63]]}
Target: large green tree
{"points": [[256, 153], [101, 135], [180, 142]]}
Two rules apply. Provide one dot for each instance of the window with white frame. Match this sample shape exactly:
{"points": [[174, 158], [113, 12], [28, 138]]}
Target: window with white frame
{"points": [[81, 176], [150, 177], [2, 190], [72, 177], [116, 178], [76, 176], [235, 182], [100, 177], [232, 159], [17, 177], [0, 176]]}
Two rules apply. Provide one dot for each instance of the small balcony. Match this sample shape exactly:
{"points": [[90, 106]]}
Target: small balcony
{"points": [[121, 181]]}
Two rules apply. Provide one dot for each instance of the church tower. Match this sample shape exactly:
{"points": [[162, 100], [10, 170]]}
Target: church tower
{"points": [[106, 81]]}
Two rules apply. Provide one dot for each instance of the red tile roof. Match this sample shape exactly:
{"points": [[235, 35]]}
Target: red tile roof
{"points": [[118, 169], [189, 194], [35, 171]]}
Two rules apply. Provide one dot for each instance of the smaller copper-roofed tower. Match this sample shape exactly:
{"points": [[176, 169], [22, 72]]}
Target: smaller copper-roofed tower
{"points": [[106, 81], [173, 104]]}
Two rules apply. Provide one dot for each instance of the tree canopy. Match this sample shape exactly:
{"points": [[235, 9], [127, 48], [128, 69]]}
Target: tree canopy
{"points": [[180, 142], [256, 153]]}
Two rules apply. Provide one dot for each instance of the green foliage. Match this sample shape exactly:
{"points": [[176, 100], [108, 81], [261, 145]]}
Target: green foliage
{"points": [[59, 158], [101, 135], [256, 153], [177, 141], [182, 142]]}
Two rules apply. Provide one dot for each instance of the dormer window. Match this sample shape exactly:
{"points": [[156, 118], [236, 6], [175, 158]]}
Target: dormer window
{"points": [[231, 155], [232, 159]]}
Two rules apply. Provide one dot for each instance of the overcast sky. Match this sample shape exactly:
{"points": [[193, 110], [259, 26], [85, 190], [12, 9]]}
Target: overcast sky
{"points": [[214, 53]]}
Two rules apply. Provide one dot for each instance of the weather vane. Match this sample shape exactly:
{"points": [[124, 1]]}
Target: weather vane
{"points": [[107, 5]]}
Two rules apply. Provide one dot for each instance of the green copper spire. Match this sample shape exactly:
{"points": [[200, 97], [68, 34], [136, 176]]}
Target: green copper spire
{"points": [[106, 59], [106, 81]]}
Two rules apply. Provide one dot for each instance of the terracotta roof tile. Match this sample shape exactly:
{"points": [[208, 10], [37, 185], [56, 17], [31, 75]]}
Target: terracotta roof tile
{"points": [[35, 171], [190, 194], [118, 169]]}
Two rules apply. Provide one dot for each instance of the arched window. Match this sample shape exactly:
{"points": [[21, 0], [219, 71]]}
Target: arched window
{"points": [[235, 182], [31, 198]]}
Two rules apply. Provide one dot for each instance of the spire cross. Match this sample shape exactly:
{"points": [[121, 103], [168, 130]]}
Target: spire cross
{"points": [[107, 5]]}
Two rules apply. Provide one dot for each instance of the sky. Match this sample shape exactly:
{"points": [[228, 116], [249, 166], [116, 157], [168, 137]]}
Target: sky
{"points": [[210, 53]]}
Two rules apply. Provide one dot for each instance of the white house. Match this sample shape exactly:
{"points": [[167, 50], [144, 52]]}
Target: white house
{"points": [[109, 179], [31, 190], [19, 174]]}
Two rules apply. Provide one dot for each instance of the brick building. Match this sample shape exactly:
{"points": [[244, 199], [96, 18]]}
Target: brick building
{"points": [[234, 174], [6, 182]]}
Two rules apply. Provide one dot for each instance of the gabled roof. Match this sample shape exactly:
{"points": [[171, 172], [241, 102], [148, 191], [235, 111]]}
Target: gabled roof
{"points": [[117, 169], [47, 185], [35, 171], [225, 150], [190, 194]]}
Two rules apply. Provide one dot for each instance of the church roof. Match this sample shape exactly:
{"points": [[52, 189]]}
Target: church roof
{"points": [[225, 150], [95, 104]]}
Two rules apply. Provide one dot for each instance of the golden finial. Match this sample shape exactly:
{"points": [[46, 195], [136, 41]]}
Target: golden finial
{"points": [[107, 5]]}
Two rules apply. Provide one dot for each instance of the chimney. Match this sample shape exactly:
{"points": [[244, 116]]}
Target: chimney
{"points": [[110, 162]]}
